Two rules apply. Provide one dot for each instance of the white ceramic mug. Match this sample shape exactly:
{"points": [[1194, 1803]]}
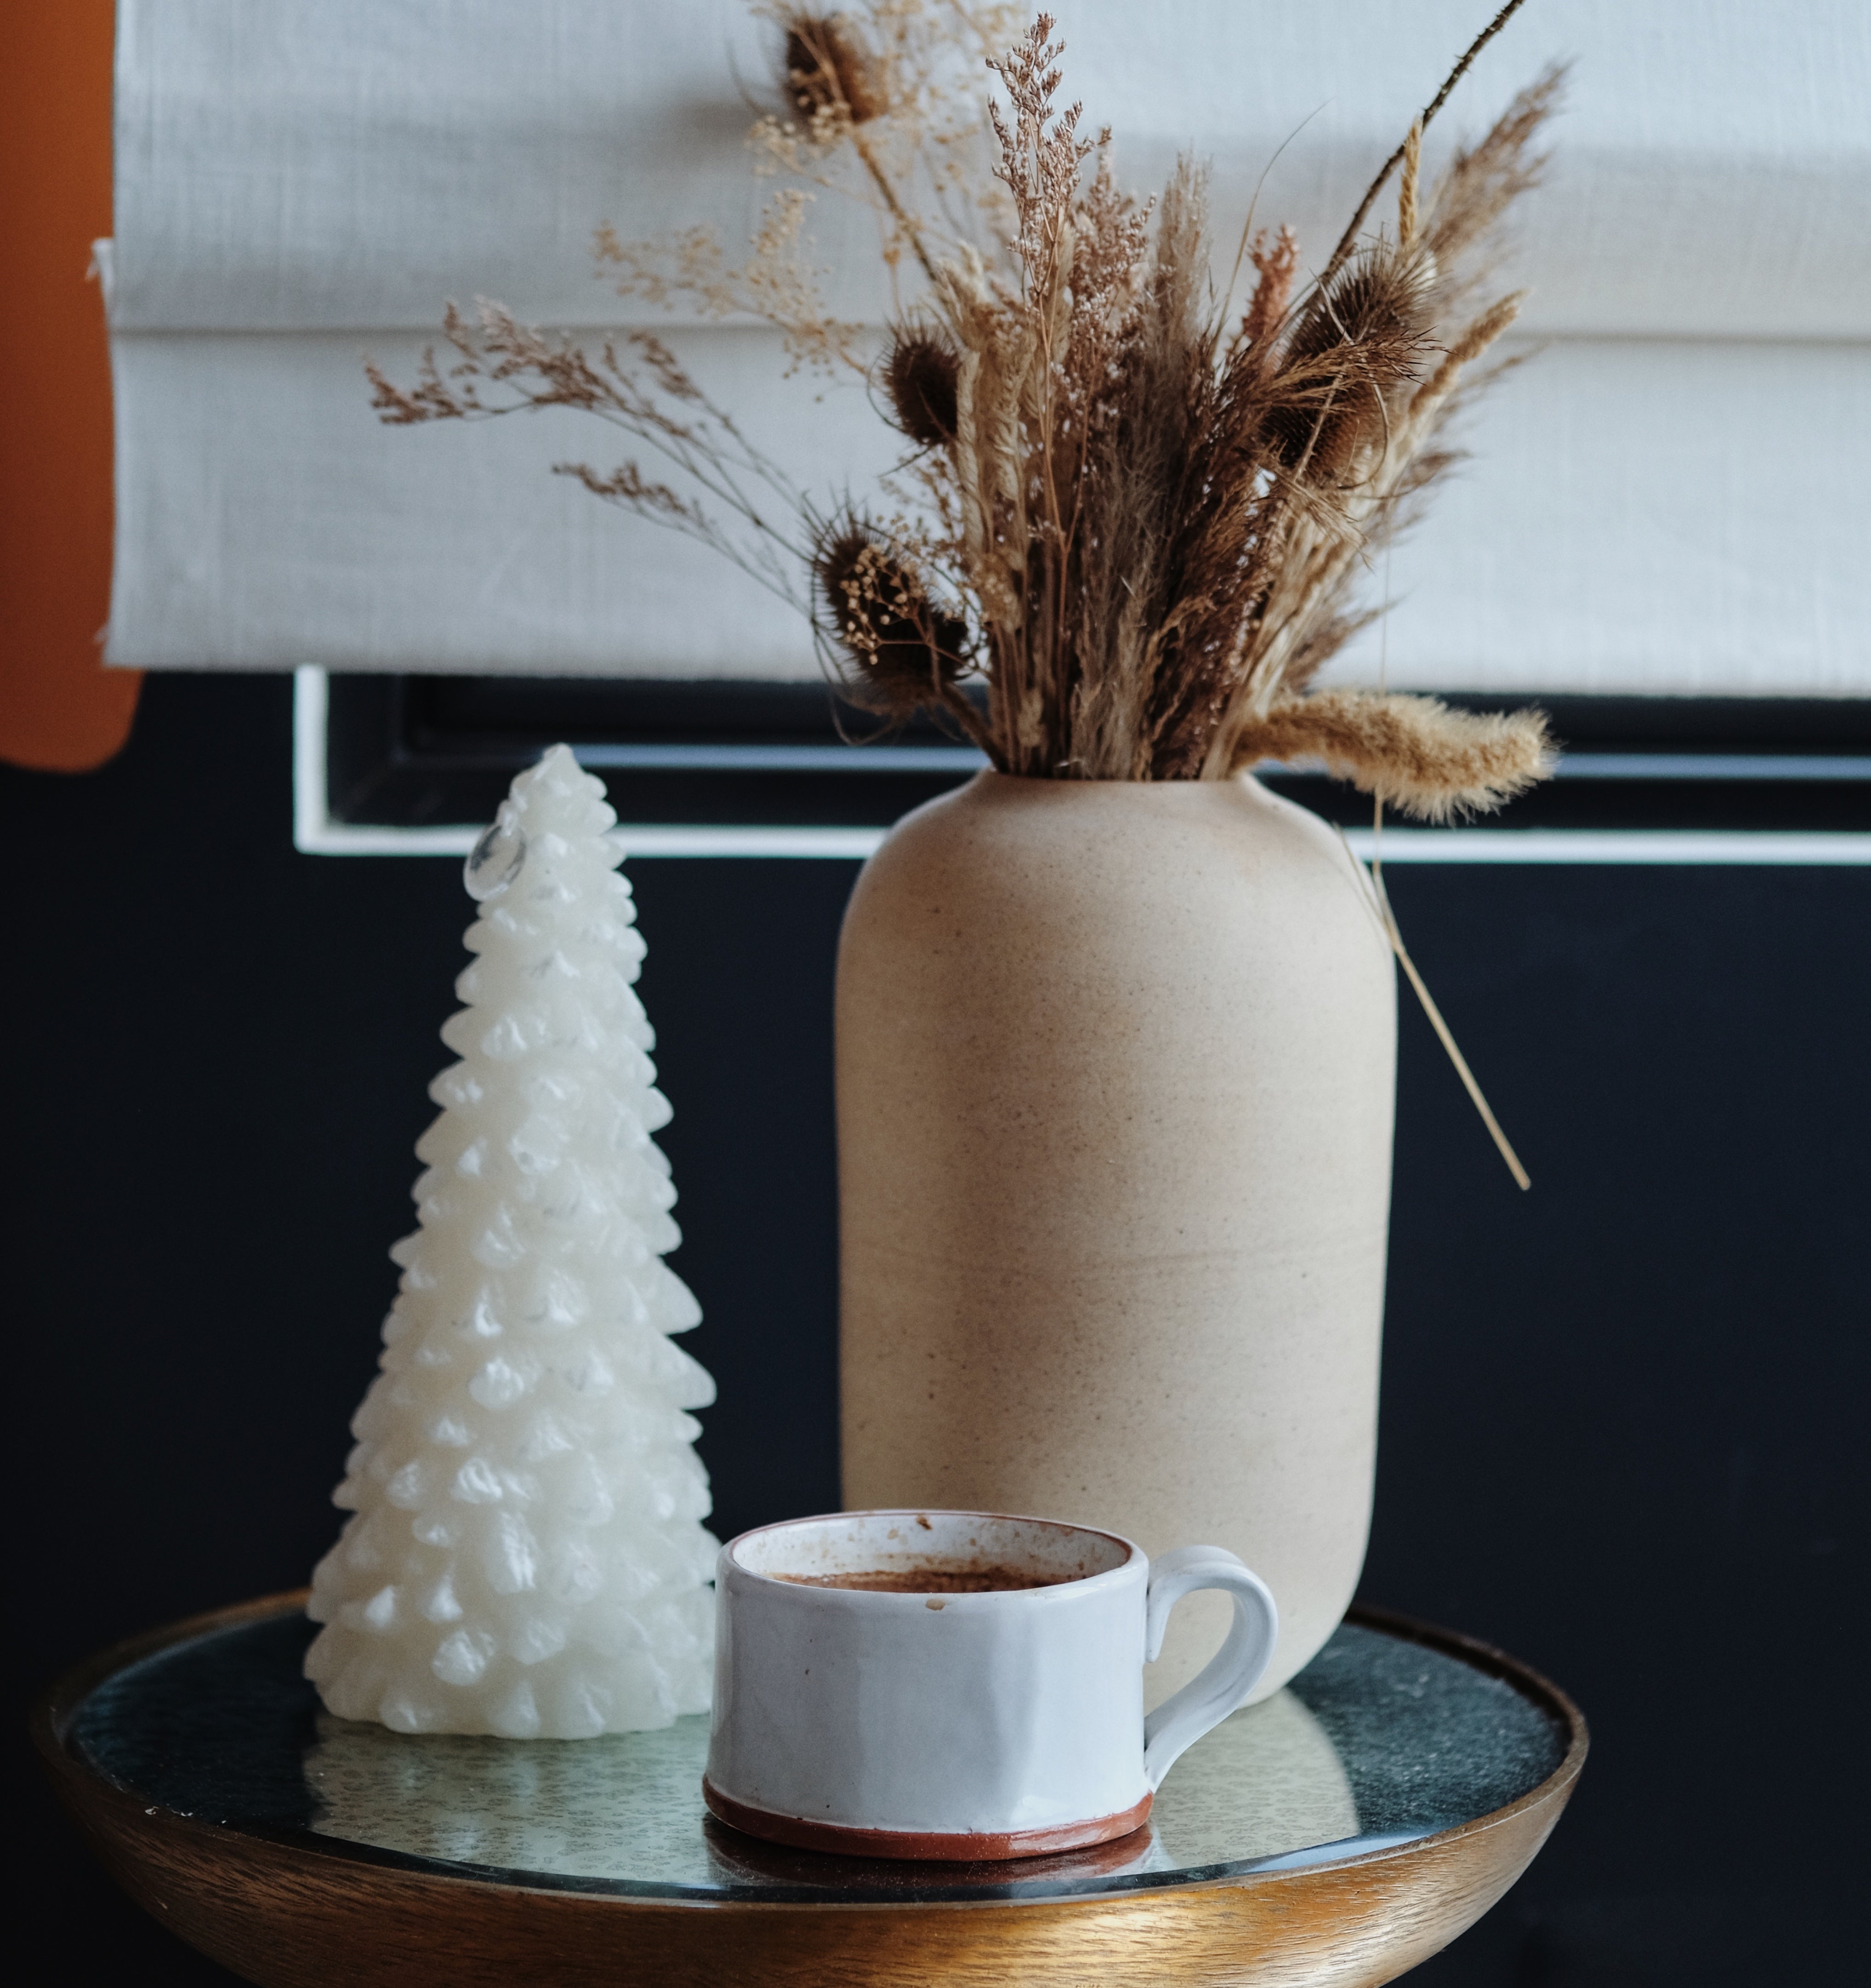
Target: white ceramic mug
{"points": [[1003, 1723]]}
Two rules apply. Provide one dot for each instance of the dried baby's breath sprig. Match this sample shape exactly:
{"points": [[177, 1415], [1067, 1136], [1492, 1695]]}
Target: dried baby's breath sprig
{"points": [[775, 283]]}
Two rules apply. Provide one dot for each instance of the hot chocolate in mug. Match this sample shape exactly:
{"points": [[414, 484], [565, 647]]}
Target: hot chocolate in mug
{"points": [[957, 1685]]}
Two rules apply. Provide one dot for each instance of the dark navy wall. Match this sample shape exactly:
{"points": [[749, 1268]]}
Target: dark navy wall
{"points": [[1624, 1416]]}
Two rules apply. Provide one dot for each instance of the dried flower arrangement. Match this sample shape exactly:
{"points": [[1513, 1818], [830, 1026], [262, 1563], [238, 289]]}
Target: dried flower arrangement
{"points": [[1135, 519]]}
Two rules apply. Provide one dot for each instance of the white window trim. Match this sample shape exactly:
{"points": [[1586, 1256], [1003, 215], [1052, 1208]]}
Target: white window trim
{"points": [[315, 833]]}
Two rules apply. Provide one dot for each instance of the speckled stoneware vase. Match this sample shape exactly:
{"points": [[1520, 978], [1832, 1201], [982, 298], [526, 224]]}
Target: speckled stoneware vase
{"points": [[1116, 1067]]}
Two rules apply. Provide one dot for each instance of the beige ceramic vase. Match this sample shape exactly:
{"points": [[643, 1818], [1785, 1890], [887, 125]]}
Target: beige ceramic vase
{"points": [[1116, 1065]]}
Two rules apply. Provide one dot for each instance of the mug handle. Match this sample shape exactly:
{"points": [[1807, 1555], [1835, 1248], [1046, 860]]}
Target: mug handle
{"points": [[1234, 1671]]}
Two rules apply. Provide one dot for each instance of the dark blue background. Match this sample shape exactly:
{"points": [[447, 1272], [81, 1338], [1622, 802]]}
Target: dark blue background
{"points": [[1624, 1420]]}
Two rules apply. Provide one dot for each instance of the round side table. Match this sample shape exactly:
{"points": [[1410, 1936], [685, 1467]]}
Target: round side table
{"points": [[1339, 1832]]}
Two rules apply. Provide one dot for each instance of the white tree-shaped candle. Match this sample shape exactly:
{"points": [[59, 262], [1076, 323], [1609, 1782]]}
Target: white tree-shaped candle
{"points": [[526, 1555]]}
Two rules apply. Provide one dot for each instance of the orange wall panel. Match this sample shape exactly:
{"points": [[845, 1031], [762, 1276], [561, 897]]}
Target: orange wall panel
{"points": [[60, 708]]}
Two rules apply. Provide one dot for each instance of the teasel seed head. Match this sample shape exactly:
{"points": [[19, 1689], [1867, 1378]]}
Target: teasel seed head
{"points": [[828, 69], [919, 373], [900, 650], [1362, 335]]}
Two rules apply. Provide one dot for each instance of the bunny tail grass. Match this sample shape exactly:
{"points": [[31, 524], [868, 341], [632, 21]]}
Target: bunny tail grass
{"points": [[1413, 753]]}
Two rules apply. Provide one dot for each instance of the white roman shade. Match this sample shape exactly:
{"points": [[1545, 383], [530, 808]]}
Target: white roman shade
{"points": [[1671, 498]]}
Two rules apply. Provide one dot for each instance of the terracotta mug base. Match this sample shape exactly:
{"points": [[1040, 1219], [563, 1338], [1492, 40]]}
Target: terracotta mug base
{"points": [[958, 1847]]}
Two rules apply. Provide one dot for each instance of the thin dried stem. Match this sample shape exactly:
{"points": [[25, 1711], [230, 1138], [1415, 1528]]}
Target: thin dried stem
{"points": [[1444, 1034], [1349, 239]]}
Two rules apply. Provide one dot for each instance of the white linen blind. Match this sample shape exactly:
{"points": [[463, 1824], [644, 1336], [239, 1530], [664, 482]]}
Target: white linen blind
{"points": [[1671, 498]]}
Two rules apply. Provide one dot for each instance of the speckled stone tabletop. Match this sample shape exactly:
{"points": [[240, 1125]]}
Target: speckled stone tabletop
{"points": [[1378, 1741]]}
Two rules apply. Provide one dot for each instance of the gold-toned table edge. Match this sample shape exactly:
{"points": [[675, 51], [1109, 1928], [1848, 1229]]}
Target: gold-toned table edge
{"points": [[294, 1915]]}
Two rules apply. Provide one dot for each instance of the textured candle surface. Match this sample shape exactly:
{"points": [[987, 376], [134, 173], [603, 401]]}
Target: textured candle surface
{"points": [[526, 1555]]}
